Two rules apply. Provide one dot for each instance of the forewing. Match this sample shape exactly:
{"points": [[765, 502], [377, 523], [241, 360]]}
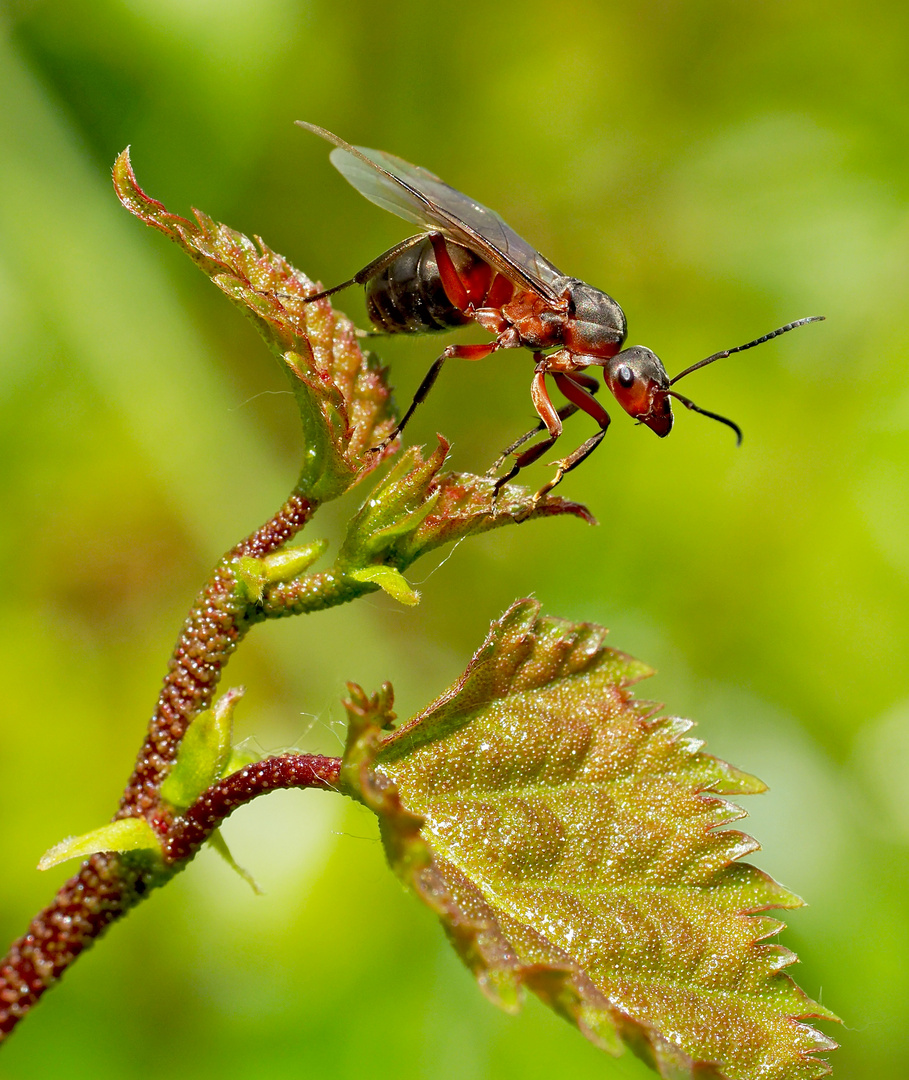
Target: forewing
{"points": [[418, 196]]}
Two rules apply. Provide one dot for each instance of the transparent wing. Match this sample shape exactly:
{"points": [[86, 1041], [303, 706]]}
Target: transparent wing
{"points": [[418, 196]]}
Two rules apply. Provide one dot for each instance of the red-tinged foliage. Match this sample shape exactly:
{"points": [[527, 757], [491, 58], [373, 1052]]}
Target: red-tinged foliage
{"points": [[417, 508], [572, 842], [342, 392]]}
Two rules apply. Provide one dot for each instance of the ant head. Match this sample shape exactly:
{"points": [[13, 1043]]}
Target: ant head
{"points": [[639, 382]]}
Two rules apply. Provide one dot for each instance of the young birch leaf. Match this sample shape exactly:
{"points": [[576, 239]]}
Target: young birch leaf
{"points": [[343, 395], [573, 843], [416, 507], [203, 754]]}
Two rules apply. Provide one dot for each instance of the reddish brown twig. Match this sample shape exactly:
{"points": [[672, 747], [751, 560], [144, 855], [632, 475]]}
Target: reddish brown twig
{"points": [[188, 832], [109, 884]]}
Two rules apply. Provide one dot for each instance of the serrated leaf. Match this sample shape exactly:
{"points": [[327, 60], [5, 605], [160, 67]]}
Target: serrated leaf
{"points": [[342, 393], [124, 834], [416, 507], [465, 506], [571, 841]]}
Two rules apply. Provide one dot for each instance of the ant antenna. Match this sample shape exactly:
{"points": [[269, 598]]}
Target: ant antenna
{"points": [[740, 348], [689, 404], [721, 356]]}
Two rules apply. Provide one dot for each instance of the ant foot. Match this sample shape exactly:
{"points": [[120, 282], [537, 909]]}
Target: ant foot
{"points": [[497, 464], [385, 443], [546, 488]]}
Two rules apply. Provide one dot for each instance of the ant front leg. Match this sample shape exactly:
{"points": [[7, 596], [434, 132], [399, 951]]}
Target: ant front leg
{"points": [[580, 397], [587, 381], [549, 419], [462, 352]]}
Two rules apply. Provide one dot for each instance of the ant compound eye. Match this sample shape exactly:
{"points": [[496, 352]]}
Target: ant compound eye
{"points": [[624, 375]]}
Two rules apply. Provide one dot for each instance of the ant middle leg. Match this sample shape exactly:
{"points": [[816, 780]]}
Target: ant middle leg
{"points": [[586, 381]]}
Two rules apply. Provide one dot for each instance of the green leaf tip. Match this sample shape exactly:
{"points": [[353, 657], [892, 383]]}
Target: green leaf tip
{"points": [[254, 575], [204, 753], [217, 841], [124, 834], [390, 581], [571, 841]]}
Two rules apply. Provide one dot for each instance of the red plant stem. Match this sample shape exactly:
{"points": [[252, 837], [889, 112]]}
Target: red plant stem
{"points": [[216, 624], [108, 884], [105, 888], [199, 821]]}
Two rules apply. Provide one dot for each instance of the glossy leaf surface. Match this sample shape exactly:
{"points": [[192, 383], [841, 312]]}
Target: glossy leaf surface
{"points": [[574, 842]]}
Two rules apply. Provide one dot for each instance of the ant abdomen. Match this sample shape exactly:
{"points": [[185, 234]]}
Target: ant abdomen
{"points": [[408, 297]]}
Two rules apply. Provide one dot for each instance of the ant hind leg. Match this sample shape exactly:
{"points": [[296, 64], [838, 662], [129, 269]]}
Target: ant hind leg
{"points": [[463, 352]]}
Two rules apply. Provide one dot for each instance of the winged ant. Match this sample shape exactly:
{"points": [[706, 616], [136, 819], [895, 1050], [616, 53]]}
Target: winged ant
{"points": [[466, 265]]}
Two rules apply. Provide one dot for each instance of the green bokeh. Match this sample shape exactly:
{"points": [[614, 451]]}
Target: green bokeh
{"points": [[720, 169]]}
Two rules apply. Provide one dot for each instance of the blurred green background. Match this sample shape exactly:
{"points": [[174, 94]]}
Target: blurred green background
{"points": [[720, 169]]}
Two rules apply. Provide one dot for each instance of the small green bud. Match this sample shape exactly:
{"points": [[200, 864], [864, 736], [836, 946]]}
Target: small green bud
{"points": [[253, 575], [203, 754], [390, 580], [125, 834]]}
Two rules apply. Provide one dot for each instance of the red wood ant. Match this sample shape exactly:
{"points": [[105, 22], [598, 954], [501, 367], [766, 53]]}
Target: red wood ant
{"points": [[467, 265]]}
